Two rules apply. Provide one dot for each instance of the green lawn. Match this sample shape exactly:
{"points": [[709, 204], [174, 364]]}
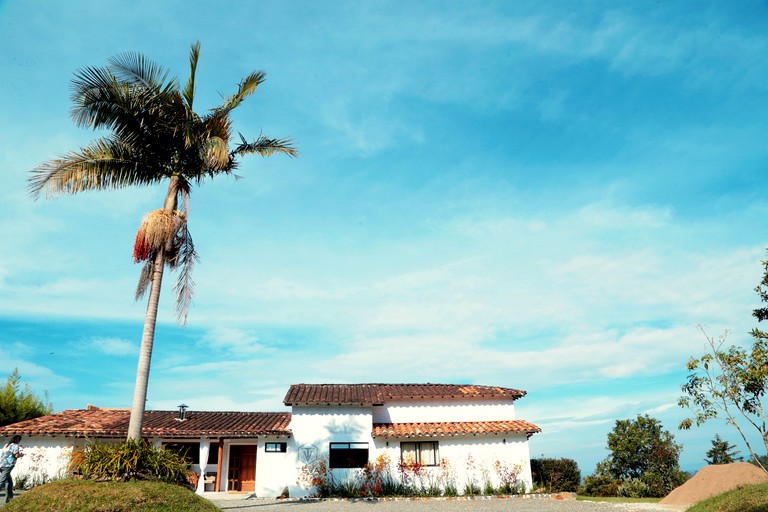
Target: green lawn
{"points": [[88, 496]]}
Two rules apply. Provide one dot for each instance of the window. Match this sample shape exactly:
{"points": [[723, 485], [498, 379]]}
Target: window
{"points": [[192, 451], [424, 452], [348, 455], [276, 447]]}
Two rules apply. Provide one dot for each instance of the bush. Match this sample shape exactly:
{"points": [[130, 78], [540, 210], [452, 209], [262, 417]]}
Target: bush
{"points": [[661, 485], [129, 460], [634, 488], [556, 475], [600, 485], [451, 491], [72, 495], [471, 489]]}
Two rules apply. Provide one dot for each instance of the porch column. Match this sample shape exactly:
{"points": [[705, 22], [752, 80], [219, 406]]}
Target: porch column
{"points": [[205, 447], [218, 465]]}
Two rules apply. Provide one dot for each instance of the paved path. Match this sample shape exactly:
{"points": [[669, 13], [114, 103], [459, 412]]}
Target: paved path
{"points": [[434, 505]]}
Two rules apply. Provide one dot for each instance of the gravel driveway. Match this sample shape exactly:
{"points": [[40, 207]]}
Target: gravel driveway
{"points": [[434, 505]]}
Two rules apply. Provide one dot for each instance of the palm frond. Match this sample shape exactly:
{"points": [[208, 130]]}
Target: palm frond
{"points": [[247, 86], [133, 113], [189, 89], [136, 69], [92, 88], [145, 278], [104, 164], [100, 100], [184, 258], [265, 146]]}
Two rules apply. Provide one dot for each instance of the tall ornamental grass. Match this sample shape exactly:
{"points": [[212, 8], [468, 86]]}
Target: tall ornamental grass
{"points": [[130, 460]]}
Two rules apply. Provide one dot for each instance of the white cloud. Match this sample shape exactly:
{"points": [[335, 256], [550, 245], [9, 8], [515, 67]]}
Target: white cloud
{"points": [[114, 346], [232, 340], [38, 377]]}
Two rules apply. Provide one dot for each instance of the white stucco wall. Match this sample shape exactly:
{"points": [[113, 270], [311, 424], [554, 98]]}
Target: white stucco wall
{"points": [[275, 471], [325, 424], [407, 412], [45, 458], [469, 457], [317, 427]]}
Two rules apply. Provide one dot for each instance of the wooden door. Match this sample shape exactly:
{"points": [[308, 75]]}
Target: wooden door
{"points": [[248, 468], [242, 468]]}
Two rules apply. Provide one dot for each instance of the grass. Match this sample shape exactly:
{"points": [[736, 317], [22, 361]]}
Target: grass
{"points": [[72, 495], [753, 498], [618, 500]]}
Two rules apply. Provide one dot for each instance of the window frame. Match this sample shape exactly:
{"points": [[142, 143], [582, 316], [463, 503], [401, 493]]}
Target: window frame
{"points": [[270, 447], [353, 458], [418, 449]]}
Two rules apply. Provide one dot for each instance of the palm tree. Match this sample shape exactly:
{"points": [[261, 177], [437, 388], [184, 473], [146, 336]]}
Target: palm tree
{"points": [[155, 136]]}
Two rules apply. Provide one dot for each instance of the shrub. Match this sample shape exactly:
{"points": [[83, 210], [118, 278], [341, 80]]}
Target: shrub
{"points": [[471, 489], [129, 460], [508, 476], [556, 475], [659, 485], [634, 488], [450, 490], [601, 485]]}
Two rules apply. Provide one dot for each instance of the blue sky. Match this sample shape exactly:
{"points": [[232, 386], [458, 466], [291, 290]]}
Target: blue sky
{"points": [[545, 196]]}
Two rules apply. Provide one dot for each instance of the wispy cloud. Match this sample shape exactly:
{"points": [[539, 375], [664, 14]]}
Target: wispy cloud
{"points": [[115, 346], [235, 341]]}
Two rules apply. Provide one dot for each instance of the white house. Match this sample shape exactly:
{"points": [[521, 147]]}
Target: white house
{"points": [[435, 434]]}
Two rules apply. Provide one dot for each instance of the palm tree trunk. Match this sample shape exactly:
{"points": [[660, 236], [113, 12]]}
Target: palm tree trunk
{"points": [[148, 334]]}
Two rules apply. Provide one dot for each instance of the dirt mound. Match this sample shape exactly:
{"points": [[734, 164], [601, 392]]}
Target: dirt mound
{"points": [[714, 480]]}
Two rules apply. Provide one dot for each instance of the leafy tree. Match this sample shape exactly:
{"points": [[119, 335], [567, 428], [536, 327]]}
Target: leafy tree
{"points": [[641, 446], [156, 137], [721, 452], [17, 404], [642, 450], [731, 383]]}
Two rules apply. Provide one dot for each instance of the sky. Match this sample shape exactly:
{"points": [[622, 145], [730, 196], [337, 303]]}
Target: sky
{"points": [[547, 196]]}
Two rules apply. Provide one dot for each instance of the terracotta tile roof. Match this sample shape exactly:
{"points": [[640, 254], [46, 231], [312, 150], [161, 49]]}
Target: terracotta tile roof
{"points": [[462, 428], [114, 423], [369, 394]]}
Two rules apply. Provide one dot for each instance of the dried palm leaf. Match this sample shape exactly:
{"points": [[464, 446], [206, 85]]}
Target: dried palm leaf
{"points": [[156, 232], [185, 260], [145, 278]]}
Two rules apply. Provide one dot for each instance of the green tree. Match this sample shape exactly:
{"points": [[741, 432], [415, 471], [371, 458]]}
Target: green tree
{"points": [[731, 383], [641, 449], [722, 452], [156, 137], [17, 404]]}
